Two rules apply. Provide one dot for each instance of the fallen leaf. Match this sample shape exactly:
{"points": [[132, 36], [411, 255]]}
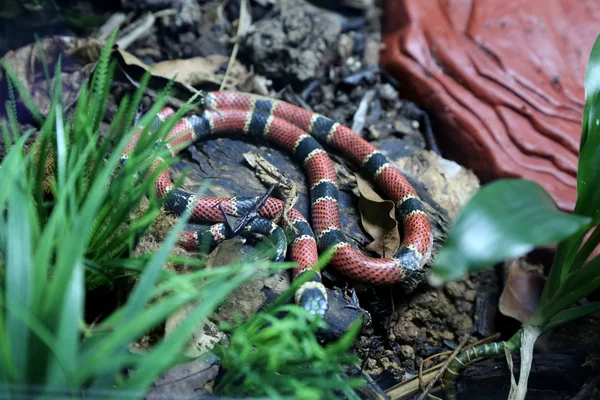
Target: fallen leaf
{"points": [[200, 71], [378, 219], [134, 69], [522, 291], [78, 57]]}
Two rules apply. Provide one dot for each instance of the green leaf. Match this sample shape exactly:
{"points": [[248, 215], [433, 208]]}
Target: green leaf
{"points": [[588, 195], [577, 285], [504, 220], [19, 273], [571, 314], [68, 331], [25, 96], [563, 259]]}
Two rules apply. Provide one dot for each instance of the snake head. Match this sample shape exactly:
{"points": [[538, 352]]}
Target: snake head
{"points": [[312, 296]]}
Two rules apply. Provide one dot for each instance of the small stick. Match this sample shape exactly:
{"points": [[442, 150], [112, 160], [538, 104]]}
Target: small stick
{"points": [[440, 372]]}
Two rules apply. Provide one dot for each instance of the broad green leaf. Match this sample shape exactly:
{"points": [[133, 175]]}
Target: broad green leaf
{"points": [[504, 220], [588, 194]]}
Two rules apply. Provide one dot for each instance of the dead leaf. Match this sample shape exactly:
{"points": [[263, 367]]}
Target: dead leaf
{"points": [[134, 70], [269, 174], [522, 291], [378, 219], [78, 57], [200, 70]]}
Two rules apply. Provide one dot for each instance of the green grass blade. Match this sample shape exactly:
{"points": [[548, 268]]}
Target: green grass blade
{"points": [[25, 96], [571, 314], [68, 339], [61, 137], [168, 352], [588, 196], [19, 272], [139, 296]]}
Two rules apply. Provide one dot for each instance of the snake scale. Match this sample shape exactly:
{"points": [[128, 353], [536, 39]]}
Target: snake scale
{"points": [[301, 132]]}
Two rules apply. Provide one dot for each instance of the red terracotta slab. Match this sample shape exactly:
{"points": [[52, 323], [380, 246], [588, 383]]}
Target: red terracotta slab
{"points": [[503, 79]]}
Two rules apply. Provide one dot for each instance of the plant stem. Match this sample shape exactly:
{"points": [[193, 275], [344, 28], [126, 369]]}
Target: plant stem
{"points": [[528, 337], [465, 358], [514, 343], [470, 355]]}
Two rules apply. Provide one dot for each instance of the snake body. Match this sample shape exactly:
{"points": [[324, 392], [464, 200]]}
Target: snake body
{"points": [[301, 132]]}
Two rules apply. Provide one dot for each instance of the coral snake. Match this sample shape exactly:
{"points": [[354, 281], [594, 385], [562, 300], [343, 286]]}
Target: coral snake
{"points": [[300, 132]]}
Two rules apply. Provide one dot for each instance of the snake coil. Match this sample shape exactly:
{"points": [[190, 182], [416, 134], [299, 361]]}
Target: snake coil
{"points": [[302, 132]]}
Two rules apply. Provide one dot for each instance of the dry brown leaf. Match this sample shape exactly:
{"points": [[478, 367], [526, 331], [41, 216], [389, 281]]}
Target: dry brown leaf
{"points": [[78, 59], [200, 70], [378, 219], [269, 174], [521, 293], [134, 69]]}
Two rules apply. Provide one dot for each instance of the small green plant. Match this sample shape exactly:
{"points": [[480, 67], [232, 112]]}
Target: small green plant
{"points": [[280, 357], [67, 211], [275, 353], [69, 157], [508, 218]]}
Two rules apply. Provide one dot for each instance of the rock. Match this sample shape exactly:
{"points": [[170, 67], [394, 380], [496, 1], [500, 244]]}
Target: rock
{"points": [[408, 352], [191, 377], [504, 82], [462, 324], [455, 289], [295, 45], [406, 331], [448, 183]]}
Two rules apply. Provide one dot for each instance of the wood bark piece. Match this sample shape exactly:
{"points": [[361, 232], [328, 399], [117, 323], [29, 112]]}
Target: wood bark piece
{"points": [[556, 375], [221, 163], [504, 80]]}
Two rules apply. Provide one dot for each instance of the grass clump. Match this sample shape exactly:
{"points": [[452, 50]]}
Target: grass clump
{"points": [[277, 356]]}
